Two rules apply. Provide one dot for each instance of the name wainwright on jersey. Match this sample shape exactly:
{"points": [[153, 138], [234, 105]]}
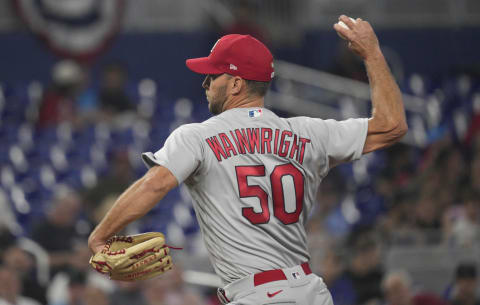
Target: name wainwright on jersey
{"points": [[283, 143]]}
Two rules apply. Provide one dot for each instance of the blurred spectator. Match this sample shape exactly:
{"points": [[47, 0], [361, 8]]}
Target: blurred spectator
{"points": [[427, 217], [96, 296], [113, 93], [128, 293], [462, 222], [23, 263], [364, 270], [400, 169], [463, 291], [475, 171], [11, 288], [338, 283], [99, 198], [244, 20], [9, 226], [68, 285], [75, 290], [170, 290], [397, 288], [473, 133], [57, 232], [7, 239], [58, 102], [328, 217], [449, 161], [396, 226]]}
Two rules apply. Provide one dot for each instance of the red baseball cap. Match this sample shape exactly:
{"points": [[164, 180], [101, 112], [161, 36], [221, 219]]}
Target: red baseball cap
{"points": [[239, 55]]}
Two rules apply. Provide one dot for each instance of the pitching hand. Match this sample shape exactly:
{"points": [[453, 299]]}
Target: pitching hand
{"points": [[360, 35]]}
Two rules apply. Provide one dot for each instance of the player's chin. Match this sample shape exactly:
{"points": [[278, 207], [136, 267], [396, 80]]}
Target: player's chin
{"points": [[215, 108]]}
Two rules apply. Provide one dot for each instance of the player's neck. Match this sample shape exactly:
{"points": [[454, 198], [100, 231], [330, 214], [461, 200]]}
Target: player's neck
{"points": [[244, 102]]}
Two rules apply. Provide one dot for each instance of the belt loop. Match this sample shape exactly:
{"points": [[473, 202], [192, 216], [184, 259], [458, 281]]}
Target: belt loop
{"points": [[306, 268]]}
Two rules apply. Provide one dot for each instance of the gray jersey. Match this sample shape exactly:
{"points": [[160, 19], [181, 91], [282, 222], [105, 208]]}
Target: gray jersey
{"points": [[253, 177]]}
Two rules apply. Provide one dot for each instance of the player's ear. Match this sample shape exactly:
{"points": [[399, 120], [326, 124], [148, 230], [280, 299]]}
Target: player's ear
{"points": [[236, 85]]}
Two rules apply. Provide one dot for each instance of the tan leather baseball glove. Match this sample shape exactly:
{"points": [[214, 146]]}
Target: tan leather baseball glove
{"points": [[134, 257]]}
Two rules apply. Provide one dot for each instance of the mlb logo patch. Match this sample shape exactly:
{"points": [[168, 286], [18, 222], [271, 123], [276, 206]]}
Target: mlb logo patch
{"points": [[255, 113], [296, 275]]}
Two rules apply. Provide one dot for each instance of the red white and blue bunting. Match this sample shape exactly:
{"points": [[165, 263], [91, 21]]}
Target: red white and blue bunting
{"points": [[78, 29]]}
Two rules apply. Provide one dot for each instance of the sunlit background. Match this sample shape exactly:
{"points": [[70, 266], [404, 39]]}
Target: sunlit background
{"points": [[87, 85]]}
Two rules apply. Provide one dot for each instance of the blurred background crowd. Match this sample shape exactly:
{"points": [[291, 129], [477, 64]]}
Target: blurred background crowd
{"points": [[86, 86]]}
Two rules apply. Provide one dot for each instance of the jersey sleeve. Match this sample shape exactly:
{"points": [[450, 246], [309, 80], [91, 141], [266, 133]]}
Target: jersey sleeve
{"points": [[182, 153], [343, 141]]}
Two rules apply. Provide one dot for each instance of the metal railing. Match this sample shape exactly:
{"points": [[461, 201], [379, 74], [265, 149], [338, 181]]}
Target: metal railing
{"points": [[301, 90]]}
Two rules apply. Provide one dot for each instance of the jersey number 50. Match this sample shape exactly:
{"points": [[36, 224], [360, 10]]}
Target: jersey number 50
{"points": [[245, 190]]}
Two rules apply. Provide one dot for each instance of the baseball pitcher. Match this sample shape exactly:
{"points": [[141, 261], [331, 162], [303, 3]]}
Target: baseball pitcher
{"points": [[253, 176]]}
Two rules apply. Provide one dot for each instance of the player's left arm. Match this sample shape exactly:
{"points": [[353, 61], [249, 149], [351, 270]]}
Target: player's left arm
{"points": [[132, 204]]}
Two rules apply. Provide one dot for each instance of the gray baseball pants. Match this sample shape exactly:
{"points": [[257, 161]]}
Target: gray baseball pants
{"points": [[289, 286]]}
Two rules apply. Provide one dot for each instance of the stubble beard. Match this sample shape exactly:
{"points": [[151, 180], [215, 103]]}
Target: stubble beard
{"points": [[216, 102]]}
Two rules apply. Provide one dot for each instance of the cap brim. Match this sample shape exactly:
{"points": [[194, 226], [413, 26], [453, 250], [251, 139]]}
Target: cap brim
{"points": [[202, 65]]}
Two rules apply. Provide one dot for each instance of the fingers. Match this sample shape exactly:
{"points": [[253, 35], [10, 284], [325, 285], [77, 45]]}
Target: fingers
{"points": [[350, 22], [346, 26], [360, 35], [341, 31]]}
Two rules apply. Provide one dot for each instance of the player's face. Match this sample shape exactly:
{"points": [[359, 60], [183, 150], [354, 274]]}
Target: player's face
{"points": [[216, 92]]}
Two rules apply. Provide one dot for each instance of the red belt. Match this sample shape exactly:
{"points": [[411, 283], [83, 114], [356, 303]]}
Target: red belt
{"points": [[275, 275]]}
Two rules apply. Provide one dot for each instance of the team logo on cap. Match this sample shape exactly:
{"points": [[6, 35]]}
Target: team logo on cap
{"points": [[233, 67]]}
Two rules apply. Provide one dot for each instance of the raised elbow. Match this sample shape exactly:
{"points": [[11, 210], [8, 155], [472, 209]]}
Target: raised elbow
{"points": [[395, 133], [391, 128], [382, 134], [401, 129]]}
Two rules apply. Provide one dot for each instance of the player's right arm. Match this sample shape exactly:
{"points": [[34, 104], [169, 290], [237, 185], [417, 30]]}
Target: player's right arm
{"points": [[387, 124]]}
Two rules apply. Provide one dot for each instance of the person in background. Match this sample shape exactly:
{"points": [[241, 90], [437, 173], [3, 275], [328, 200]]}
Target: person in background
{"points": [[341, 288], [128, 293], [364, 272], [397, 289], [463, 291], [96, 296], [113, 95], [70, 285], [461, 223], [11, 287], [244, 22], [58, 104], [57, 232], [7, 238], [170, 290], [23, 263], [76, 288], [427, 217], [120, 176]]}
